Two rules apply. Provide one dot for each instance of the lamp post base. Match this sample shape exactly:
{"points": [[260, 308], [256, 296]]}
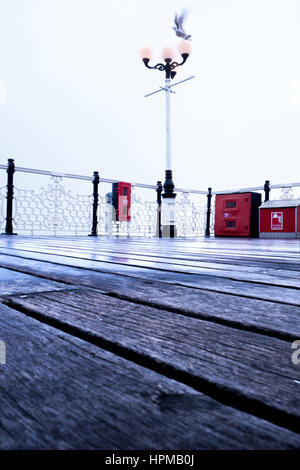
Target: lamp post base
{"points": [[169, 231], [168, 208]]}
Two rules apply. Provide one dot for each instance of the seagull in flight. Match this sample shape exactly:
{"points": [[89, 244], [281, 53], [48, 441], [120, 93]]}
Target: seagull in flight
{"points": [[178, 28]]}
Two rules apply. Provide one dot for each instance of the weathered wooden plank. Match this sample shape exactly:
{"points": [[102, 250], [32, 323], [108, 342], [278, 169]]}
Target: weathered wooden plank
{"points": [[12, 282], [263, 250], [173, 259], [287, 250], [59, 392], [256, 369], [74, 274], [271, 318], [92, 261]]}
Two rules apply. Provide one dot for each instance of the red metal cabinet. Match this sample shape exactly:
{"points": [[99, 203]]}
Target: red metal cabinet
{"points": [[121, 200], [280, 219], [236, 214]]}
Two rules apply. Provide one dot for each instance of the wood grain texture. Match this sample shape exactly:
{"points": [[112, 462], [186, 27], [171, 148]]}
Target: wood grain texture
{"points": [[252, 366], [84, 276], [123, 344], [161, 255], [272, 318], [59, 392], [16, 283]]}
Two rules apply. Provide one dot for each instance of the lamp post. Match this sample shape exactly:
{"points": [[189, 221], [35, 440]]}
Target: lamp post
{"points": [[169, 67]]}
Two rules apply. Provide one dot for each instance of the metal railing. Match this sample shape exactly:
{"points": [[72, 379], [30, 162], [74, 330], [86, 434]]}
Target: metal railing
{"points": [[55, 209]]}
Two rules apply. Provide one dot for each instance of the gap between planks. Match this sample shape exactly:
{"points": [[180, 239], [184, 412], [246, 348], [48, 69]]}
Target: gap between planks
{"points": [[213, 389], [48, 276]]}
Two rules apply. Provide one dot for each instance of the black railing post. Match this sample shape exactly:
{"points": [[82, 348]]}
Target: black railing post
{"points": [[96, 180], [159, 189], [267, 190], [10, 196], [208, 211]]}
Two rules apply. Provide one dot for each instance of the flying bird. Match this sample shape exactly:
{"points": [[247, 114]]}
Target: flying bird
{"points": [[178, 28]]}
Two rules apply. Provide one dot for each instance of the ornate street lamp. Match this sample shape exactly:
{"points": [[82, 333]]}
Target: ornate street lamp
{"points": [[170, 69]]}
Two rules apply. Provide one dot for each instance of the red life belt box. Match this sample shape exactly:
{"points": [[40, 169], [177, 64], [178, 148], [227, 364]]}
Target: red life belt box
{"points": [[280, 219], [236, 214], [121, 200]]}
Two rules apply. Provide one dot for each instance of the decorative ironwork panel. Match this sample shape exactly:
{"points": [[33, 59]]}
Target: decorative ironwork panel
{"points": [[142, 223], [3, 191], [105, 224], [291, 192], [143, 216], [287, 193], [190, 216], [53, 210], [212, 215]]}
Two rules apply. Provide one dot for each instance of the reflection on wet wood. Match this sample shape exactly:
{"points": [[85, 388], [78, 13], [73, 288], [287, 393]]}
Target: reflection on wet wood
{"points": [[169, 344]]}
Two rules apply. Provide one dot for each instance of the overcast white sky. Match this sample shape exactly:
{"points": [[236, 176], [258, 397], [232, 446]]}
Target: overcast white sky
{"points": [[72, 89]]}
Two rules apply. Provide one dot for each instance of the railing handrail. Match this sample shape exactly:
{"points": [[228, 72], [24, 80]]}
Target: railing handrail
{"points": [[257, 188], [90, 178], [49, 173], [146, 186]]}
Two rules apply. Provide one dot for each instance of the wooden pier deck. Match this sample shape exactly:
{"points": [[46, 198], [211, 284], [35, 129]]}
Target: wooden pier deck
{"points": [[149, 344]]}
